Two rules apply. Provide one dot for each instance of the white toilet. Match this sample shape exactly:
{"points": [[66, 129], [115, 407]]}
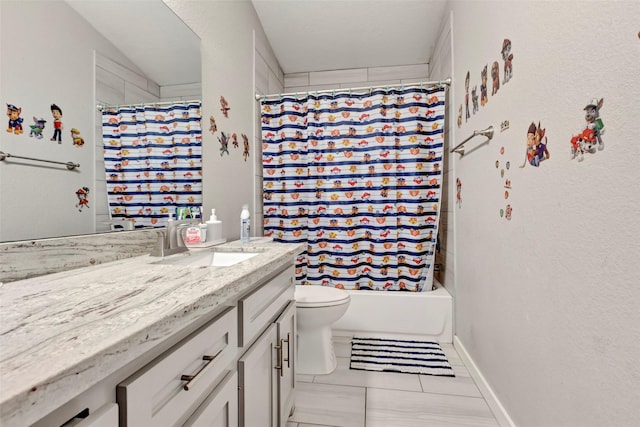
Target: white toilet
{"points": [[318, 307]]}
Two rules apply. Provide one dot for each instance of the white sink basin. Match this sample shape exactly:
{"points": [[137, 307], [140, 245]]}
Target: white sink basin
{"points": [[209, 259]]}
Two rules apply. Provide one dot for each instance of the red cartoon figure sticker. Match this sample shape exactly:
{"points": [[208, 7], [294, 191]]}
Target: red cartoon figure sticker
{"points": [[56, 112], [83, 198], [15, 121], [591, 136], [224, 107]]}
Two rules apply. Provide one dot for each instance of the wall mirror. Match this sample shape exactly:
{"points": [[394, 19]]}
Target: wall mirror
{"points": [[142, 53]]}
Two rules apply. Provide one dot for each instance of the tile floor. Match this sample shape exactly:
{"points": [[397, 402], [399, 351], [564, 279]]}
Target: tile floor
{"points": [[350, 398]]}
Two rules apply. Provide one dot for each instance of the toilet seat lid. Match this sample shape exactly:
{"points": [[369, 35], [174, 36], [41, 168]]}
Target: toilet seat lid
{"points": [[308, 296]]}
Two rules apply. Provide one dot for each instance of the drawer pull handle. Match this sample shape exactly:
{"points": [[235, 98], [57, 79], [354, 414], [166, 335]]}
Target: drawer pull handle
{"points": [[191, 379], [280, 354], [288, 350]]}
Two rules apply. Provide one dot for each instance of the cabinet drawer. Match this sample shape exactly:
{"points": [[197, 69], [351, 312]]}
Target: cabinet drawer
{"points": [[261, 306], [106, 416], [159, 396], [220, 409]]}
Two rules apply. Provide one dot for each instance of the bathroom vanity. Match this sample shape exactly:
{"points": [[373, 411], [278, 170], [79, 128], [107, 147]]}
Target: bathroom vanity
{"points": [[153, 342]]}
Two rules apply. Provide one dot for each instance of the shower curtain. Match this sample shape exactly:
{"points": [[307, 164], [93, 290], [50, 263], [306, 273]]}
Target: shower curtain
{"points": [[357, 177], [153, 161]]}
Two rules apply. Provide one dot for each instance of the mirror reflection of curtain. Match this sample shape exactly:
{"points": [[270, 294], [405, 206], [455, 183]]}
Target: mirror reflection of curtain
{"points": [[358, 178], [153, 160]]}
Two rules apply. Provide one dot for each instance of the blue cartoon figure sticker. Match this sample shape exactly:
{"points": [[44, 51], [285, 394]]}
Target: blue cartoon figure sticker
{"points": [[15, 121], [537, 150]]}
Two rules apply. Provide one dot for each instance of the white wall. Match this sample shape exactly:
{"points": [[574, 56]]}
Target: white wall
{"points": [[47, 54], [547, 303], [226, 30]]}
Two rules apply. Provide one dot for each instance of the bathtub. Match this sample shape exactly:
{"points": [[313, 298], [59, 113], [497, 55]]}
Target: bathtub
{"points": [[397, 314]]}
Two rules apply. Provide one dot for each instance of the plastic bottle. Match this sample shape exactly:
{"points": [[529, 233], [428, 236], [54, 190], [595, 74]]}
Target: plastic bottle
{"points": [[245, 224], [214, 227]]}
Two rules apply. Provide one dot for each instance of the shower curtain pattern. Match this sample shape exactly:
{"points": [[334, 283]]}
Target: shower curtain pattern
{"points": [[357, 177], [153, 161]]}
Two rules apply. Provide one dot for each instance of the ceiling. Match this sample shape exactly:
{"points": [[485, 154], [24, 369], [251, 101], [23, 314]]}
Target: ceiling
{"points": [[149, 34], [306, 35], [317, 35]]}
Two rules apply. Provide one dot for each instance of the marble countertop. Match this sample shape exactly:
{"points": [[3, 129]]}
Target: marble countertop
{"points": [[62, 333]]}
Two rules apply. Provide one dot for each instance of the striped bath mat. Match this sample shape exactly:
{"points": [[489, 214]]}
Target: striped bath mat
{"points": [[390, 355]]}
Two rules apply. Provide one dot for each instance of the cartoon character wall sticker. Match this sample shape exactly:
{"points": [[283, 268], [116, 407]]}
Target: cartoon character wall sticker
{"points": [[483, 87], [224, 143], [56, 112], [507, 56], [15, 121], [77, 139], [483, 94], [83, 198], [245, 143], [212, 125], [536, 151], [224, 107], [591, 136], [474, 98], [460, 116], [37, 127], [495, 78], [466, 96]]}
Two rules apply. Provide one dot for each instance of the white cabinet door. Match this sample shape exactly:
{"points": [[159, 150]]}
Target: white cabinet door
{"points": [[220, 409], [258, 387], [286, 325]]}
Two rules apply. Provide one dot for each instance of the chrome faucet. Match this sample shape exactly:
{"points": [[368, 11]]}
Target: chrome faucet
{"points": [[170, 239]]}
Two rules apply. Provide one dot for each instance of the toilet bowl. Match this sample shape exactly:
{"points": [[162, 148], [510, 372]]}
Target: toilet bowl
{"points": [[318, 307]]}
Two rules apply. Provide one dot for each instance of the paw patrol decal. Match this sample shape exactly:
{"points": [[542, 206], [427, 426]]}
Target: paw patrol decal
{"points": [[591, 136], [245, 143], [507, 213], [495, 77], [15, 121], [57, 123], [212, 125], [507, 56], [474, 98], [37, 127], [504, 125], [224, 107], [224, 143], [460, 116], [234, 137], [83, 198], [537, 150], [78, 140], [483, 87], [466, 97]]}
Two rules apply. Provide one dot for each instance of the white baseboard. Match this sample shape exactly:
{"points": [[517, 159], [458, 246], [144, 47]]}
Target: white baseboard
{"points": [[496, 407]]}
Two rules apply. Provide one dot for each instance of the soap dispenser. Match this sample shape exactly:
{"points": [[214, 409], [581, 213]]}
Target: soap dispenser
{"points": [[214, 228]]}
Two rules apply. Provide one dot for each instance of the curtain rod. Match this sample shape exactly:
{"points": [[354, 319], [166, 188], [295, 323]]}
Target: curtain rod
{"points": [[101, 107], [445, 82]]}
